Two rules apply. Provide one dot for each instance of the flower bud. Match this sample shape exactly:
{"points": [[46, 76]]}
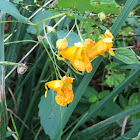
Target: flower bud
{"points": [[50, 29], [101, 15], [62, 44]]}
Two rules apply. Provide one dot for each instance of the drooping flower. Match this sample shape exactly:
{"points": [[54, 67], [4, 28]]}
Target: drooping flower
{"points": [[79, 55], [104, 44], [63, 88], [62, 44]]}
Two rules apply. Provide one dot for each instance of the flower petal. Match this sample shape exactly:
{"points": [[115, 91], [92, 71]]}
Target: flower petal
{"points": [[111, 52], [108, 34]]}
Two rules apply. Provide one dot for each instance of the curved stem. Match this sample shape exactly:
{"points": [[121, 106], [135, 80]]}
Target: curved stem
{"points": [[78, 29], [52, 51]]}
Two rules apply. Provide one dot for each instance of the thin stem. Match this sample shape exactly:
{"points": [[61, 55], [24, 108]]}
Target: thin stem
{"points": [[56, 16], [51, 50], [70, 31], [49, 56], [78, 29], [38, 133], [20, 42], [44, 20], [76, 126], [12, 64]]}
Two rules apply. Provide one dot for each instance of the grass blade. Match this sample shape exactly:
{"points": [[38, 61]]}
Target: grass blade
{"points": [[90, 131], [3, 118]]}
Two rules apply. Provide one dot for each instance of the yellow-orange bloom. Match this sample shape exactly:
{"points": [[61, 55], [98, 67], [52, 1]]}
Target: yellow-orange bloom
{"points": [[62, 44], [79, 55], [63, 88], [103, 45]]}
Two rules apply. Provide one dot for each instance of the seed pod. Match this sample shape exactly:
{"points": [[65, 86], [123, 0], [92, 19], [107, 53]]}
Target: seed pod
{"points": [[22, 70]]}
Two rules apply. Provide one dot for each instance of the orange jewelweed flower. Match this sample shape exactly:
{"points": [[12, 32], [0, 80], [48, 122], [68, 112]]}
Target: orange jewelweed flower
{"points": [[104, 44], [62, 44], [63, 88], [79, 55]]}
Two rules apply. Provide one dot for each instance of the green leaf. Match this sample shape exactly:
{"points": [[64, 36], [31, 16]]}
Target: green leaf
{"points": [[89, 92], [129, 5], [17, 1], [9, 8], [106, 8], [105, 2], [126, 31], [103, 94], [80, 5], [3, 110], [38, 17], [125, 55], [137, 31], [114, 79], [112, 66], [134, 99], [50, 114], [93, 99], [91, 130], [9, 133]]}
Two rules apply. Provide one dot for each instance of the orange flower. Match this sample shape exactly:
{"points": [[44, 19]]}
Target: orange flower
{"points": [[63, 88], [62, 44], [79, 55], [104, 44]]}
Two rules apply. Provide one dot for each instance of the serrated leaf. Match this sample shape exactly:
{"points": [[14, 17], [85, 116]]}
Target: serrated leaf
{"points": [[50, 113], [115, 79], [80, 5], [106, 8], [9, 8], [38, 17], [112, 66], [126, 56]]}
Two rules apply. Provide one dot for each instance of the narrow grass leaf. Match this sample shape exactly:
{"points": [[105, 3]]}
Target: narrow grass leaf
{"points": [[90, 131]]}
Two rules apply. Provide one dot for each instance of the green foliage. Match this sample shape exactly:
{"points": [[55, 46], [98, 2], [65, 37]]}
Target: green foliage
{"points": [[126, 56], [106, 8], [114, 79], [9, 133], [38, 17], [51, 114], [80, 5], [102, 98], [9, 8]]}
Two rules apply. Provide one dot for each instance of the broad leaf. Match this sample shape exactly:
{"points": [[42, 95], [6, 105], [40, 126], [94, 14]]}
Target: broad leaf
{"points": [[125, 55], [106, 8], [38, 17], [9, 8], [80, 5], [50, 114], [115, 79]]}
